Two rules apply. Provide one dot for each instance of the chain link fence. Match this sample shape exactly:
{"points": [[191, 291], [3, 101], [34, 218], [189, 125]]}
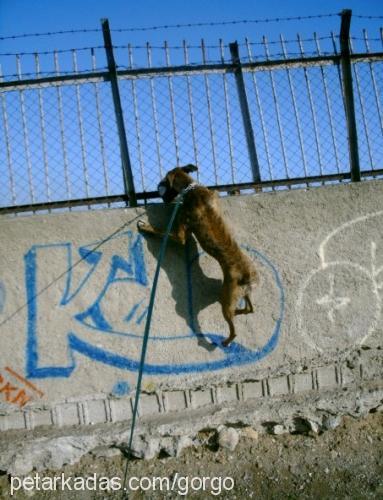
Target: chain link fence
{"points": [[284, 125]]}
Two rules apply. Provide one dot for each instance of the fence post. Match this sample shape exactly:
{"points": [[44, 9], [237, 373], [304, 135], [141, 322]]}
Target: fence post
{"points": [[349, 94], [125, 159], [245, 112]]}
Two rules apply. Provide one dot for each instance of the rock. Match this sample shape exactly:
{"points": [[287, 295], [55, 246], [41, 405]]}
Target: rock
{"points": [[250, 433], [314, 426], [278, 429], [145, 447], [331, 422], [44, 453], [173, 445], [228, 438], [105, 452]]}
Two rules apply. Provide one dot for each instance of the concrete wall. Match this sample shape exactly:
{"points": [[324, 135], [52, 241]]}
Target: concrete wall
{"points": [[74, 290]]}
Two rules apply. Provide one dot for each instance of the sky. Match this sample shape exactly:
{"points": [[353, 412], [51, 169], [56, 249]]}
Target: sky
{"points": [[37, 16], [18, 17], [23, 17]]}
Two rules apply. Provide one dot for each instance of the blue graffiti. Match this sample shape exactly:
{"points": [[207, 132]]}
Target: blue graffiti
{"points": [[2, 297], [121, 388], [120, 270]]}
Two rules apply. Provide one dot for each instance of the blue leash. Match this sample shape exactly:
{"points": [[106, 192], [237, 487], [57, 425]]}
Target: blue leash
{"points": [[147, 330]]}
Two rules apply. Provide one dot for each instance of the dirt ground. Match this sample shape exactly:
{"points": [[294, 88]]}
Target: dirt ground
{"points": [[344, 463]]}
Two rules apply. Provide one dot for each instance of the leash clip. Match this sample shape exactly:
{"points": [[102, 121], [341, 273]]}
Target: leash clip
{"points": [[188, 188]]}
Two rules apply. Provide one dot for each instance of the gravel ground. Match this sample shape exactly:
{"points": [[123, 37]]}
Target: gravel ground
{"points": [[346, 462]]}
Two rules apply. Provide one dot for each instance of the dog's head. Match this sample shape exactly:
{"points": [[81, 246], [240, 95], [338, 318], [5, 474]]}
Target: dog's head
{"points": [[175, 181]]}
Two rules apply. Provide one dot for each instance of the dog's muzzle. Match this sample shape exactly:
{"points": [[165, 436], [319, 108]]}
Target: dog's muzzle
{"points": [[166, 192]]}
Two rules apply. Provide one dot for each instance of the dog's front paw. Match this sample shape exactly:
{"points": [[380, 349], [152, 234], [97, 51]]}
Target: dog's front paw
{"points": [[144, 227]]}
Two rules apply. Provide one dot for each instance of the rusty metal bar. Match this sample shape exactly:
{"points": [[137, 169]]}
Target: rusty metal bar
{"points": [[246, 117], [124, 150], [349, 95]]}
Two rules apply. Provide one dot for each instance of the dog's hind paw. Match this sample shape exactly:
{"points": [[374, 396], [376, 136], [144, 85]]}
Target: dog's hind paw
{"points": [[228, 341]]}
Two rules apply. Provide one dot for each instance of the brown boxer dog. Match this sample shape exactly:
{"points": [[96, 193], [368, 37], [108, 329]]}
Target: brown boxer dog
{"points": [[200, 215]]}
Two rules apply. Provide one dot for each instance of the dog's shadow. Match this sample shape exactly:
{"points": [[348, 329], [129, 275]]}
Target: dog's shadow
{"points": [[183, 281]]}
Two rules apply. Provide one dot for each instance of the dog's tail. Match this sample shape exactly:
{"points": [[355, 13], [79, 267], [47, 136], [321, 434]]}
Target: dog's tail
{"points": [[250, 278], [255, 278]]}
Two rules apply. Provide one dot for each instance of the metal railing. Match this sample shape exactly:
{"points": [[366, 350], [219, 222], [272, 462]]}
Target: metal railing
{"points": [[105, 135]]}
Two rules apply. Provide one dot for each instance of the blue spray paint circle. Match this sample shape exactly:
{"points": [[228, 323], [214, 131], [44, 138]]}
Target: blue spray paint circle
{"points": [[234, 355]]}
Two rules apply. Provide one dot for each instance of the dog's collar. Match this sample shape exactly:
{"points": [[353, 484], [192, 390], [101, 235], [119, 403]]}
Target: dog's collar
{"points": [[188, 188]]}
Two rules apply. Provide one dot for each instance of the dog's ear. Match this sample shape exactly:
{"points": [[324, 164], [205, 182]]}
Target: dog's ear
{"points": [[189, 168]]}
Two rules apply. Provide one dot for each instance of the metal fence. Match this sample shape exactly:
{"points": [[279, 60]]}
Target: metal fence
{"points": [[262, 116]]}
